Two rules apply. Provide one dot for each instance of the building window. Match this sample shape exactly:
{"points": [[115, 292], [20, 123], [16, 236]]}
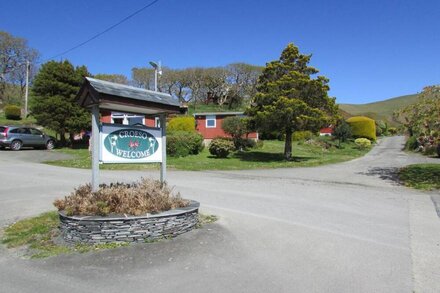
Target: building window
{"points": [[127, 119], [157, 122], [210, 121]]}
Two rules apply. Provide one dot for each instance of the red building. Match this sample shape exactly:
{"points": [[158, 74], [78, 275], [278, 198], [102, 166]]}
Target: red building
{"points": [[210, 125], [207, 124], [129, 119]]}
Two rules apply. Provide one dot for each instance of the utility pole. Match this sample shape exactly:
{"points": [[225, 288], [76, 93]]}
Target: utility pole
{"points": [[26, 93]]}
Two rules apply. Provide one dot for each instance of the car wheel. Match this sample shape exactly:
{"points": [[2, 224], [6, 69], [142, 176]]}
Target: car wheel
{"points": [[50, 145], [16, 145]]}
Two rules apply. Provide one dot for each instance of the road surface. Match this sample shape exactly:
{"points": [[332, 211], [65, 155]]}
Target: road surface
{"points": [[339, 228]]}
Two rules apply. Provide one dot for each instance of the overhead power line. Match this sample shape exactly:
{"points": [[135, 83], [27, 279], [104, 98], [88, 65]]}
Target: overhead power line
{"points": [[94, 36]]}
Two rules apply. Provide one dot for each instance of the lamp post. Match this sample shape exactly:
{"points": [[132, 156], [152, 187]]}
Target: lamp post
{"points": [[157, 70]]}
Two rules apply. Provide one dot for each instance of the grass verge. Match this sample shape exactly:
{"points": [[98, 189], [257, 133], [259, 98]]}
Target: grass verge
{"points": [[38, 236], [269, 156], [421, 176]]}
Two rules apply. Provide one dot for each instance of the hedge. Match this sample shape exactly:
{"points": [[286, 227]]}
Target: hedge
{"points": [[12, 112], [182, 123], [362, 127]]}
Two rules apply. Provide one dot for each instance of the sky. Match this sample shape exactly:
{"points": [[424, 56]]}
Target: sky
{"points": [[370, 50]]}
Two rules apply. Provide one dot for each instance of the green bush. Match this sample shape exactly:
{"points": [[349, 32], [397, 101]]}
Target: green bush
{"points": [[184, 143], [342, 131], [302, 135], [411, 143], [12, 112], [362, 143], [221, 147], [182, 123], [362, 127], [392, 130]]}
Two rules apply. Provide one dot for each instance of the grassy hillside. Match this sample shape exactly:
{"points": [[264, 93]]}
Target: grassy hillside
{"points": [[382, 110]]}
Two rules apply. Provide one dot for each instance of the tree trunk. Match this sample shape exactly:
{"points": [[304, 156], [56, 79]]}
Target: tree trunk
{"points": [[288, 145], [63, 138], [71, 138]]}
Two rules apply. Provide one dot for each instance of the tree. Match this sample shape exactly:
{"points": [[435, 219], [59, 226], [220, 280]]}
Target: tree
{"points": [[236, 127], [242, 80], [289, 99], [14, 54], [424, 115], [143, 77], [116, 78], [342, 131], [53, 98]]}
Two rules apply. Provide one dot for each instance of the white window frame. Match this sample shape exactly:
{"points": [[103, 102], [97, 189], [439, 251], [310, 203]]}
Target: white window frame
{"points": [[125, 116], [211, 117], [157, 122]]}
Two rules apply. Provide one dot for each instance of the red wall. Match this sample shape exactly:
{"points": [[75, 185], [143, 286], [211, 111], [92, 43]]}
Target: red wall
{"points": [[210, 133], [106, 117]]}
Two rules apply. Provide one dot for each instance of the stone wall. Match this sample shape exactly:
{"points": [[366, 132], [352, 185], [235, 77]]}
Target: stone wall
{"points": [[95, 230]]}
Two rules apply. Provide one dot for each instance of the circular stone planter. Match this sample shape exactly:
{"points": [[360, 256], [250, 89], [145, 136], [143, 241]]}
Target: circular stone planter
{"points": [[96, 229]]}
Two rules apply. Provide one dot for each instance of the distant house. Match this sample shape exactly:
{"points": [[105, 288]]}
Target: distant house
{"points": [[210, 125], [328, 131]]}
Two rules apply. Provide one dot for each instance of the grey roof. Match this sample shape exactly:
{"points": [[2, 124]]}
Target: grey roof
{"points": [[116, 89], [219, 113]]}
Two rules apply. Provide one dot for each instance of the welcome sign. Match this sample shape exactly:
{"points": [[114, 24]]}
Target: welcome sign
{"points": [[130, 144]]}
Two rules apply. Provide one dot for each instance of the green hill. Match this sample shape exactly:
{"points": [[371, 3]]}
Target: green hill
{"points": [[382, 110]]}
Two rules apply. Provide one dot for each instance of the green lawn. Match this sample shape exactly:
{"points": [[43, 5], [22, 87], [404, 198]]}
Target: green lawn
{"points": [[269, 156], [39, 236], [421, 176]]}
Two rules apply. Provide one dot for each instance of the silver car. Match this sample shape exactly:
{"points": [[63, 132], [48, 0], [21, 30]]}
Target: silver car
{"points": [[16, 137]]}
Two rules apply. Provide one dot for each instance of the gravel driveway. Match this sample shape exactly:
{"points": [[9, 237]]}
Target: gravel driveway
{"points": [[339, 228]]}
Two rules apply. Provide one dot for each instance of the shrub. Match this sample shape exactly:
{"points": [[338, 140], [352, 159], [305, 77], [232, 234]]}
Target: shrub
{"points": [[184, 143], [392, 130], [342, 131], [302, 135], [362, 127], [12, 112], [182, 123], [236, 127], [145, 196], [411, 143], [362, 143], [221, 147]]}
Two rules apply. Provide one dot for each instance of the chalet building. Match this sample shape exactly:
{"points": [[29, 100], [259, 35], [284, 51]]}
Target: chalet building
{"points": [[327, 131], [210, 125]]}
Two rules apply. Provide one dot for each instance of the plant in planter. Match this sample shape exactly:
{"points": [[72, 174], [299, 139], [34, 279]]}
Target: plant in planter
{"points": [[137, 212], [145, 196]]}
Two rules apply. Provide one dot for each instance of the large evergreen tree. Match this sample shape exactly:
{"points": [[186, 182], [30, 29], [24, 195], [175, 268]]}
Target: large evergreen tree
{"points": [[289, 98], [53, 98]]}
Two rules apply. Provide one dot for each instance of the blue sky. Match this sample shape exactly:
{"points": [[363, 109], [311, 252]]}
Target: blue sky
{"points": [[370, 50]]}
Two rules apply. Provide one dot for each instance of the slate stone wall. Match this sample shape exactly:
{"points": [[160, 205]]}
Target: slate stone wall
{"points": [[95, 230]]}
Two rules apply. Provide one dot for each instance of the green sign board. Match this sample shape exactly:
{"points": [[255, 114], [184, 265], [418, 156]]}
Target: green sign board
{"points": [[125, 144]]}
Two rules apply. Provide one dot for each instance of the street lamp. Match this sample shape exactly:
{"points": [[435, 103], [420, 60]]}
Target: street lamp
{"points": [[157, 70]]}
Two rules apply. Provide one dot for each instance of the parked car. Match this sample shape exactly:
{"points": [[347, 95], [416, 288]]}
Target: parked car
{"points": [[16, 137]]}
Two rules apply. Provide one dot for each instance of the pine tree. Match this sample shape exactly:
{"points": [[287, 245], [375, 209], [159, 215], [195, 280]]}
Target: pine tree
{"points": [[53, 98], [289, 99]]}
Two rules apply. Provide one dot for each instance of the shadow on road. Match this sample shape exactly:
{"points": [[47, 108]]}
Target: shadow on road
{"points": [[388, 174]]}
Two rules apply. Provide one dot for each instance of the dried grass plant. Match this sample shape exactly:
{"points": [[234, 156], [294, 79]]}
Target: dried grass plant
{"points": [[139, 198]]}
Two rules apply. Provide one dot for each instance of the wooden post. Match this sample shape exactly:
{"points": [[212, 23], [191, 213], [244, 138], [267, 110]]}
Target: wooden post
{"points": [[95, 147], [163, 165]]}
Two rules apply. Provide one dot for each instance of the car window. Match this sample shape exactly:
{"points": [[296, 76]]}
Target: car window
{"points": [[35, 131], [2, 129], [21, 131]]}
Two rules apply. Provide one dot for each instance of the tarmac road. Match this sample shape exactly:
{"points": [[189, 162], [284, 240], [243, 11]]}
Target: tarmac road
{"points": [[339, 228]]}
